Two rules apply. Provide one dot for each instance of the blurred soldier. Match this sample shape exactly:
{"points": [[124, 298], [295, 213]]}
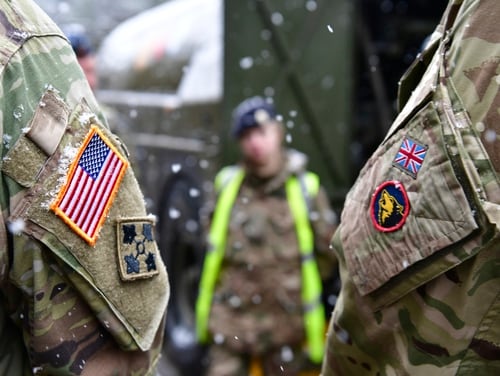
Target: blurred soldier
{"points": [[260, 289], [80, 274], [85, 55], [84, 52], [419, 241]]}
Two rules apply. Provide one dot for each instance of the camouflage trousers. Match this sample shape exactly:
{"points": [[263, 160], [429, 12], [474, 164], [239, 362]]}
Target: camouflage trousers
{"points": [[284, 361]]}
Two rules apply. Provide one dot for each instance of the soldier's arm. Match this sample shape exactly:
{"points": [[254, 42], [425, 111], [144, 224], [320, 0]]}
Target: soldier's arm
{"points": [[87, 302]]}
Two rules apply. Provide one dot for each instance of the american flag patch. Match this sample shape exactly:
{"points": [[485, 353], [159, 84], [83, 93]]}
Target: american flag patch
{"points": [[410, 156], [93, 180]]}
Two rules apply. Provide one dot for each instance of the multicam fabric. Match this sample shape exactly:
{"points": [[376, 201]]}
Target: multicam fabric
{"points": [[423, 298], [257, 305], [75, 312]]}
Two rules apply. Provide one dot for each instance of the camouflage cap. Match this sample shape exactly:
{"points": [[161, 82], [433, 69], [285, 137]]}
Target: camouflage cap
{"points": [[251, 113]]}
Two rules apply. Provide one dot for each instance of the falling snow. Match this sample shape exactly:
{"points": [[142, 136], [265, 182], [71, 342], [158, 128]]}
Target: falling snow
{"points": [[277, 18], [85, 118], [219, 338], [18, 112], [480, 127], [193, 192], [311, 5], [490, 136], [286, 354], [7, 139], [246, 62], [17, 227], [176, 167], [174, 213]]}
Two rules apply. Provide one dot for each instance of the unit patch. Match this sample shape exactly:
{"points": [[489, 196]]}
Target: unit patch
{"points": [[137, 251], [389, 206], [93, 180], [410, 156]]}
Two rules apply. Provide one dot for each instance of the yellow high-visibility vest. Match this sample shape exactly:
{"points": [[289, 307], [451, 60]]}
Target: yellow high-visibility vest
{"points": [[298, 190]]}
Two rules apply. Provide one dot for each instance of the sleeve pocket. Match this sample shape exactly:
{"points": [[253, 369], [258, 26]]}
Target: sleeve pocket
{"points": [[437, 212]]}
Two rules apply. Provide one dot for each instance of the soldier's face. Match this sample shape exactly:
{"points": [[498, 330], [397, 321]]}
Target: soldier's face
{"points": [[88, 66], [262, 144]]}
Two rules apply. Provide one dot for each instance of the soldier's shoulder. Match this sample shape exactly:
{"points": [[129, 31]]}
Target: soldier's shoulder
{"points": [[24, 18], [20, 21]]}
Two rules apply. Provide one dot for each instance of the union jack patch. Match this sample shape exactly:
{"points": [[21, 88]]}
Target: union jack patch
{"points": [[137, 250], [410, 157], [93, 180]]}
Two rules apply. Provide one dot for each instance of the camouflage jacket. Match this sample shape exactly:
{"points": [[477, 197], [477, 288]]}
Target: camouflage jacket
{"points": [[419, 241], [80, 274], [257, 302]]}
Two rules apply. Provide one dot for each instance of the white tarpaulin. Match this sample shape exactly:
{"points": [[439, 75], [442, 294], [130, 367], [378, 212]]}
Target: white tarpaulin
{"points": [[173, 48]]}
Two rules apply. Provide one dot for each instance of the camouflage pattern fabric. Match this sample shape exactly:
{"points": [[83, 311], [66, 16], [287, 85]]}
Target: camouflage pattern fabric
{"points": [[418, 245], [257, 305], [84, 302]]}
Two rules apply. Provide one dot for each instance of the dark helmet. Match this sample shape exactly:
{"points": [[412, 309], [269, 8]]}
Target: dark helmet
{"points": [[251, 113], [79, 39]]}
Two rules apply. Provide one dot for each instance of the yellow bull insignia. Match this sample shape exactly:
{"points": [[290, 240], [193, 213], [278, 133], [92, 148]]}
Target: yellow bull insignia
{"points": [[389, 206]]}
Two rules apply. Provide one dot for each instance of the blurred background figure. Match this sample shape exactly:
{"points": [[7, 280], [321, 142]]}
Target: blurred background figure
{"points": [[80, 41], [260, 295]]}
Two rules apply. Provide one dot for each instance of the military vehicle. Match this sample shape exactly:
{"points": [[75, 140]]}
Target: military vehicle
{"points": [[171, 75]]}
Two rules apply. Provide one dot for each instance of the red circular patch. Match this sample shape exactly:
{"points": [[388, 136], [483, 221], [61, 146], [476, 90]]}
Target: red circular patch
{"points": [[389, 206]]}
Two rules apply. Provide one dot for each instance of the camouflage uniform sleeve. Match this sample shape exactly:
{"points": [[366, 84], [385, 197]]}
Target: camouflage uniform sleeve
{"points": [[82, 275], [419, 234]]}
